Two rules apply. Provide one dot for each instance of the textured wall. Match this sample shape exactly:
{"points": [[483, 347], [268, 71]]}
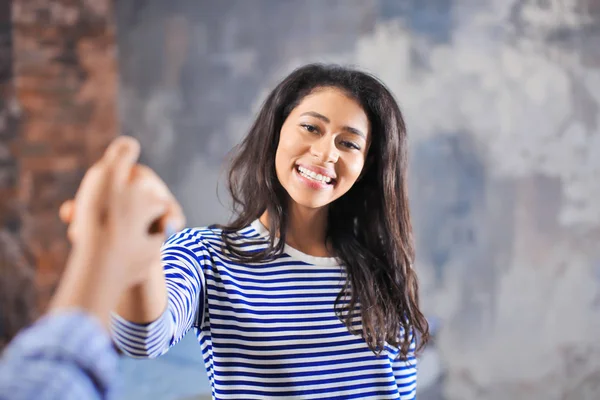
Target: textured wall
{"points": [[8, 112], [502, 101], [17, 293], [65, 81]]}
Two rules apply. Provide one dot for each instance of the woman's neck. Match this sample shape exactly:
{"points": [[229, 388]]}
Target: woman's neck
{"points": [[306, 231]]}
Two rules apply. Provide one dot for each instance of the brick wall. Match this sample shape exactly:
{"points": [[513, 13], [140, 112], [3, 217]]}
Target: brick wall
{"points": [[8, 115], [65, 81], [16, 274]]}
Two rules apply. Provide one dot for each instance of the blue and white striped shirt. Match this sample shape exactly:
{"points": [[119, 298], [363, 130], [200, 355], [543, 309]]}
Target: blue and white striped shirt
{"points": [[268, 330]]}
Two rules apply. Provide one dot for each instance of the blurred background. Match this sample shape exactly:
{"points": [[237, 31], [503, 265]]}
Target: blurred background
{"points": [[502, 103]]}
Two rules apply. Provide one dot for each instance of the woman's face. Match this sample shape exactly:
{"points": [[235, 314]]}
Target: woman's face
{"points": [[322, 147]]}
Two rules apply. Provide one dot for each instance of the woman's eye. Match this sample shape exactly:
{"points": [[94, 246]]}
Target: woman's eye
{"points": [[351, 145], [310, 128]]}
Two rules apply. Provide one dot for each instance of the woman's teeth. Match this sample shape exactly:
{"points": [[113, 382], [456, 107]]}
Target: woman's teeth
{"points": [[313, 175]]}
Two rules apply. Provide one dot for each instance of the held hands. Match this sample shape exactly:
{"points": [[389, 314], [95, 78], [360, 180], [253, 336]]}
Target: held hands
{"points": [[121, 212]]}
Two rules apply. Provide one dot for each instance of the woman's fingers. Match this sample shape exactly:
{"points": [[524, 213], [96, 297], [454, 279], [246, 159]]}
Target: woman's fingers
{"points": [[174, 215], [173, 220]]}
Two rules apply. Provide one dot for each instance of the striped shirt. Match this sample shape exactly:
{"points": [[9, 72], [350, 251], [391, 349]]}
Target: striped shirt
{"points": [[267, 330]]}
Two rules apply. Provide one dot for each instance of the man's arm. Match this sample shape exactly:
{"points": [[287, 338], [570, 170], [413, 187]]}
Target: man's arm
{"points": [[64, 355], [68, 353]]}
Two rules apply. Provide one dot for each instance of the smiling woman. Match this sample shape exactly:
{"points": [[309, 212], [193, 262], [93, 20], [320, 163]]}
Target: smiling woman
{"points": [[323, 151], [310, 291]]}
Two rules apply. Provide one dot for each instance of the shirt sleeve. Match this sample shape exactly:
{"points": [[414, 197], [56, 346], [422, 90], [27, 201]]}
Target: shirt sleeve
{"points": [[183, 256], [405, 372], [64, 355]]}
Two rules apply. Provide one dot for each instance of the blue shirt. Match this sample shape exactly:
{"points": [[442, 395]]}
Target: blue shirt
{"points": [[63, 356]]}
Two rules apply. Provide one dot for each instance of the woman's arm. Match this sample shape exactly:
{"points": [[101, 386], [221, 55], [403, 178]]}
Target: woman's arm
{"points": [[150, 328]]}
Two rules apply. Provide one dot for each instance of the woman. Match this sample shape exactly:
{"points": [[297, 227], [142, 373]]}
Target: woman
{"points": [[309, 293]]}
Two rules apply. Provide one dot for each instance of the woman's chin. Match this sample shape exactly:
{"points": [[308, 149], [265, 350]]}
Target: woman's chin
{"points": [[311, 202]]}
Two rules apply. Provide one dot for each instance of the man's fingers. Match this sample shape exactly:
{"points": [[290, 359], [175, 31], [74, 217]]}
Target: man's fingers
{"points": [[121, 156], [92, 195], [91, 200]]}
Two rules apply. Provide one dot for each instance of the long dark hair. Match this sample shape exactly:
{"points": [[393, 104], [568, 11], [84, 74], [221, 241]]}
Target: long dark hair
{"points": [[369, 227]]}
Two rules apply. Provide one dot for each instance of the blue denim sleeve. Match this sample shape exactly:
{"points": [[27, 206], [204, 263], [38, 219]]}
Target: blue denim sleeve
{"points": [[66, 355]]}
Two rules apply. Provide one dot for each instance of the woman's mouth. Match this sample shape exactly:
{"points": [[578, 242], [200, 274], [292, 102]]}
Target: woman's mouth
{"points": [[313, 178]]}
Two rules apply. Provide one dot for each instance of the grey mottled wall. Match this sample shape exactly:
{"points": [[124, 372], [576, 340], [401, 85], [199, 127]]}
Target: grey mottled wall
{"points": [[502, 102]]}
